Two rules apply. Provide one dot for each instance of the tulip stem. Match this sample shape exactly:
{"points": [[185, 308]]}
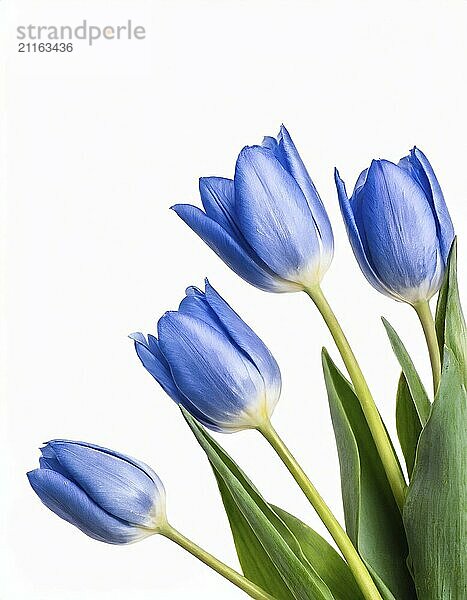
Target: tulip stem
{"points": [[428, 325], [243, 583], [373, 418], [356, 565]]}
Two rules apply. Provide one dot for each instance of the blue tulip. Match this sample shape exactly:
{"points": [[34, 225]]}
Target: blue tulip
{"points": [[268, 224], [399, 227], [109, 496], [209, 361]]}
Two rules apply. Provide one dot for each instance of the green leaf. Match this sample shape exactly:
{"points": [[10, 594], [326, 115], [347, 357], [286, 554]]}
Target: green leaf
{"points": [[372, 518], [280, 566], [412, 403], [435, 513], [416, 388], [449, 320], [408, 423], [326, 561], [254, 560]]}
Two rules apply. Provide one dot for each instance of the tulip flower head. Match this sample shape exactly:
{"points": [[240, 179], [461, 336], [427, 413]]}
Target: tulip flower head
{"points": [[268, 224], [109, 496], [399, 227], [209, 361]]}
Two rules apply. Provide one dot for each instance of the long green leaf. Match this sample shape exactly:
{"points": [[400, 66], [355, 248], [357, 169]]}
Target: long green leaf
{"points": [[372, 518], [416, 388], [435, 513], [255, 562], [325, 560], [412, 403], [408, 423], [450, 322], [281, 554]]}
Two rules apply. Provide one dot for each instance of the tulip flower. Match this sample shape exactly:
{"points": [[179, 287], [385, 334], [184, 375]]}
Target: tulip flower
{"points": [[401, 234], [268, 224], [115, 499], [209, 361], [109, 496], [399, 227]]}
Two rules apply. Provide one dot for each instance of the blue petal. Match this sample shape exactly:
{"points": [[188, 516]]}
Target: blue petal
{"points": [[274, 216], [160, 370], [229, 250], [48, 448], [400, 231], [218, 199], [71, 503], [249, 342], [155, 363], [360, 181], [271, 144], [48, 460], [195, 305], [115, 482], [419, 167], [290, 158], [354, 236], [210, 371]]}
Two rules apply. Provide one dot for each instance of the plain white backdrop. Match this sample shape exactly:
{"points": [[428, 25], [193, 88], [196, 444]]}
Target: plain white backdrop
{"points": [[96, 145]]}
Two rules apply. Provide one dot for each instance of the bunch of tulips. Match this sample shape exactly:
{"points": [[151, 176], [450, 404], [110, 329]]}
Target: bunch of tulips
{"points": [[405, 527]]}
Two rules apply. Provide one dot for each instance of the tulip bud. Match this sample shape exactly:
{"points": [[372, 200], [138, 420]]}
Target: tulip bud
{"points": [[109, 496], [399, 227], [209, 361], [268, 224]]}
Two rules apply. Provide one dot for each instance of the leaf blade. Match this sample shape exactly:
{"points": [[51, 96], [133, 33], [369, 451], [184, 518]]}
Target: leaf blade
{"points": [[417, 390], [435, 514], [372, 518], [449, 318], [281, 548], [408, 423], [332, 569], [249, 550]]}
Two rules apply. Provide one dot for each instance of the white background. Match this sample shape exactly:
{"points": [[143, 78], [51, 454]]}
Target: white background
{"points": [[96, 145]]}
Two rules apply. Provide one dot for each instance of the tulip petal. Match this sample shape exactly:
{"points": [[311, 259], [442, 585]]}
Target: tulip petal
{"points": [[158, 367], [419, 167], [218, 199], [274, 216], [270, 143], [71, 503], [360, 181], [155, 363], [291, 160], [209, 370], [355, 238], [249, 342], [394, 207], [138, 463], [116, 483], [49, 461], [195, 305], [230, 251]]}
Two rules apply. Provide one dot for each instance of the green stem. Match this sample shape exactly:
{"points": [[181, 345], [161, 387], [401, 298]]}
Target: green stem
{"points": [[426, 319], [208, 559], [373, 418], [356, 565]]}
